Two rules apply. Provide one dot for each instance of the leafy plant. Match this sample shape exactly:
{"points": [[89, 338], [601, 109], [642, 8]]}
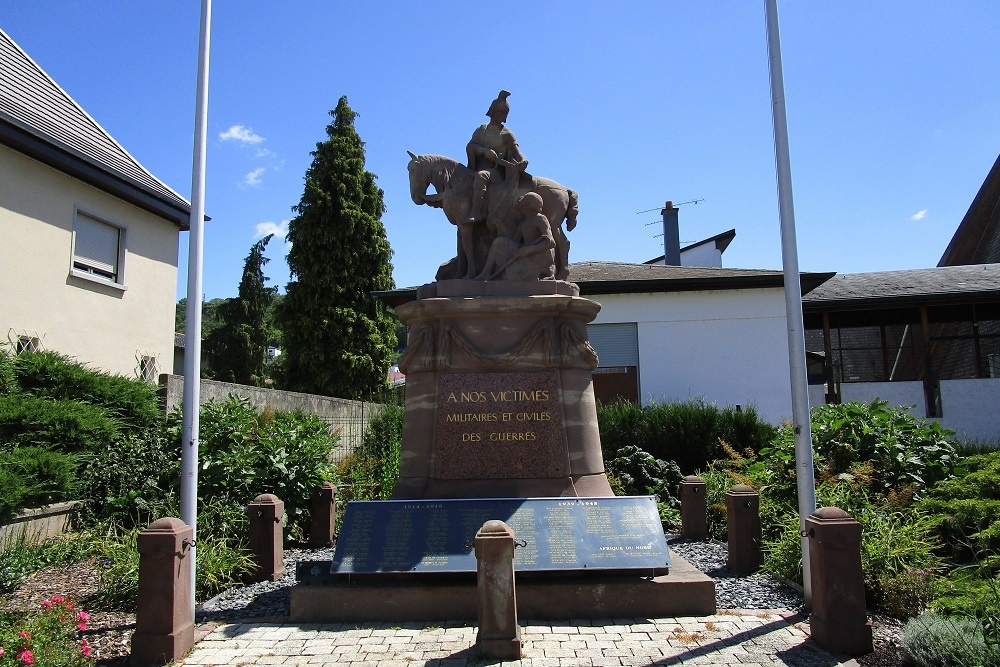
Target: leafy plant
{"points": [[932, 640], [244, 453], [47, 637], [640, 473]]}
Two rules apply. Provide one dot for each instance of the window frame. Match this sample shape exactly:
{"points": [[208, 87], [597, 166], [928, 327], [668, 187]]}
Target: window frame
{"points": [[118, 280]]}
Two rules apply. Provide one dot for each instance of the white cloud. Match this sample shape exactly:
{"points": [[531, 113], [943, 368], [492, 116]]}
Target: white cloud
{"points": [[263, 152], [253, 178], [280, 229], [919, 215], [242, 134]]}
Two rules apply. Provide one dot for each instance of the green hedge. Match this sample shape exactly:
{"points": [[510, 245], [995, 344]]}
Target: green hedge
{"points": [[33, 476], [52, 375], [687, 432]]}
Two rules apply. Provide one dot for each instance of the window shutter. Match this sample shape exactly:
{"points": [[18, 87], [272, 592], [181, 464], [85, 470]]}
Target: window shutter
{"points": [[616, 344], [96, 244]]}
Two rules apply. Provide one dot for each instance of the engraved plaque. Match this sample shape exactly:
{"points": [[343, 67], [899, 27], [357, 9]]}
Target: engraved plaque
{"points": [[553, 534], [499, 425]]}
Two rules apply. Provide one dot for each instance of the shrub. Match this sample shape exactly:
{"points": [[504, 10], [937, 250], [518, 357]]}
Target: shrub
{"points": [[640, 473], [47, 637], [8, 379], [63, 425], [687, 433], [243, 453], [134, 402], [932, 640], [31, 476], [382, 440], [967, 508], [900, 450], [126, 481]]}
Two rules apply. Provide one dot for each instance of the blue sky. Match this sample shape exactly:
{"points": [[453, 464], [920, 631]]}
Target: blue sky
{"points": [[893, 112]]}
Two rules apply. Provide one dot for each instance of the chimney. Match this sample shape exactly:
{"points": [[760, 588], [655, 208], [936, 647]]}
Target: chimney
{"points": [[671, 236]]}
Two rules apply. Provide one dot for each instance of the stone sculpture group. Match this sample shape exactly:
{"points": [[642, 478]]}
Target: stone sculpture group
{"points": [[509, 222]]}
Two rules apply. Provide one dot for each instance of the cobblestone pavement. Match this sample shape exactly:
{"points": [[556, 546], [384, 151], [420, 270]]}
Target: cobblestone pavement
{"points": [[727, 638]]}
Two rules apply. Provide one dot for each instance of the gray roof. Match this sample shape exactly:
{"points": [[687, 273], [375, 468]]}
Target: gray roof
{"points": [[40, 119], [946, 283], [623, 277]]}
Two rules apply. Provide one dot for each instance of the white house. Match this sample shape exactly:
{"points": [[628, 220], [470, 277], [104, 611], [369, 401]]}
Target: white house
{"points": [[90, 236]]}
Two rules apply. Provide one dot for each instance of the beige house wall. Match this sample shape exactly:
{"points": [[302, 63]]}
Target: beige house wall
{"points": [[87, 319]]}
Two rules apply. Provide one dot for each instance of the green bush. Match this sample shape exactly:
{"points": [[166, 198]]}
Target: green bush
{"points": [[48, 636], [63, 425], [382, 441], [243, 453], [640, 474], [967, 508], [126, 481], [932, 640], [8, 379], [887, 447], [31, 476], [135, 403], [689, 433]]}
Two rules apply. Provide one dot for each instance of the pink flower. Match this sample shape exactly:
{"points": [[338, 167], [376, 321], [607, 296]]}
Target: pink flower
{"points": [[24, 634], [83, 616], [85, 647], [1, 651], [46, 603], [81, 626], [58, 598], [26, 657]]}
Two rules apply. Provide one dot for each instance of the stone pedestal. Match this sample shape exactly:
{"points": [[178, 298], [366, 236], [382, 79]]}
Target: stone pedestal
{"points": [[266, 537], [839, 619], [499, 395], [164, 623], [324, 515], [743, 528], [499, 635], [694, 508]]}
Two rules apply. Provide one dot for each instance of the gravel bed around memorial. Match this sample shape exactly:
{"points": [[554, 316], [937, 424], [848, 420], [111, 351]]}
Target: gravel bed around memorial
{"points": [[732, 590]]}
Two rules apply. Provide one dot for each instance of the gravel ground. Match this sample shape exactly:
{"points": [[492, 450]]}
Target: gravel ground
{"points": [[732, 590]]}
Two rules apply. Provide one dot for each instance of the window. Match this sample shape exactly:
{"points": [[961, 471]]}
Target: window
{"points": [[98, 249], [145, 368], [26, 343]]}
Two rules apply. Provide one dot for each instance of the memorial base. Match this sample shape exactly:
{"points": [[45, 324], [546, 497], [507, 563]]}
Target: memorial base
{"points": [[685, 591]]}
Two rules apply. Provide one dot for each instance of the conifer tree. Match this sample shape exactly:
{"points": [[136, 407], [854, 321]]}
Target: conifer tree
{"points": [[337, 338], [237, 349]]}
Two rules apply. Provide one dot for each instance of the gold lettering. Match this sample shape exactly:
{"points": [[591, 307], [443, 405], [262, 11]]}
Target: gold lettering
{"points": [[451, 398]]}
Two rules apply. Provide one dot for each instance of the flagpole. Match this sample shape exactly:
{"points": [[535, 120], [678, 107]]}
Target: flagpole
{"points": [[192, 331], [806, 485]]}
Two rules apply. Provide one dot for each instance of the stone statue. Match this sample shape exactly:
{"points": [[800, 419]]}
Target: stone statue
{"points": [[487, 202]]}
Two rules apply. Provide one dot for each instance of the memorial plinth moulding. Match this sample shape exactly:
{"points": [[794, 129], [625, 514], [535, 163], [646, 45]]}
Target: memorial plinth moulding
{"points": [[499, 394]]}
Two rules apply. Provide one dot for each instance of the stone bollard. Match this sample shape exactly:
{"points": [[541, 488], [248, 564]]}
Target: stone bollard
{"points": [[164, 615], [266, 539], [324, 515], [499, 635], [743, 527], [694, 509], [839, 618]]}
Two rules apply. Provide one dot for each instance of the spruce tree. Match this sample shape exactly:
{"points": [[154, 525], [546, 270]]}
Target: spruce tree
{"points": [[337, 338], [237, 349]]}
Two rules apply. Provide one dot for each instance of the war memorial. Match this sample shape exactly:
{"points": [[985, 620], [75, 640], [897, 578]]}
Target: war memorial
{"points": [[500, 425]]}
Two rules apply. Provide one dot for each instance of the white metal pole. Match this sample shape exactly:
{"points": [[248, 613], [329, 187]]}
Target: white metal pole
{"points": [[192, 332], [793, 295]]}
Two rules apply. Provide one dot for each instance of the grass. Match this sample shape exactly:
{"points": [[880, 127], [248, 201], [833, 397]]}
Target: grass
{"points": [[21, 558]]}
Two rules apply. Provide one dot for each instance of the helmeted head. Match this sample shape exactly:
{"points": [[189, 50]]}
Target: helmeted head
{"points": [[531, 201], [500, 107]]}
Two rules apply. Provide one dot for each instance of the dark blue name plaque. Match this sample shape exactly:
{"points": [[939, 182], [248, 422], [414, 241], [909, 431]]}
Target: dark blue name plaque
{"points": [[551, 534]]}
